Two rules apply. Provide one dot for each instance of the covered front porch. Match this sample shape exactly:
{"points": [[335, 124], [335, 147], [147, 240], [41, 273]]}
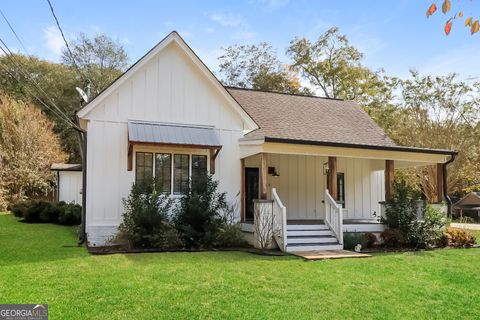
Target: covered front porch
{"points": [[311, 194]]}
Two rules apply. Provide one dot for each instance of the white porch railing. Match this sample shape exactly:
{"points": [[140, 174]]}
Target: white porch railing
{"points": [[334, 217], [279, 221]]}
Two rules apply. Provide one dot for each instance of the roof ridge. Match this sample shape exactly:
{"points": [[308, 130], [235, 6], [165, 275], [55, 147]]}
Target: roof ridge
{"points": [[285, 93]]}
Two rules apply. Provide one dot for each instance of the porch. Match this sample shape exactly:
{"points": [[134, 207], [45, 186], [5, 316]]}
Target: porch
{"points": [[311, 197]]}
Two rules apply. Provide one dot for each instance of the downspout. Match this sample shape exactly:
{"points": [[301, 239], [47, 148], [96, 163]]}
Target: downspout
{"points": [[82, 134], [445, 182]]}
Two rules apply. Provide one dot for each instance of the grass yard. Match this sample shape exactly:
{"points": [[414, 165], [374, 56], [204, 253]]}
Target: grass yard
{"points": [[40, 264]]}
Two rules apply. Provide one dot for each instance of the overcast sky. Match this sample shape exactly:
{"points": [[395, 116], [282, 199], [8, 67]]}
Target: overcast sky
{"points": [[394, 35]]}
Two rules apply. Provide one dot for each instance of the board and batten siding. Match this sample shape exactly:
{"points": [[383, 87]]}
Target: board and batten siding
{"points": [[301, 185], [169, 88], [70, 186]]}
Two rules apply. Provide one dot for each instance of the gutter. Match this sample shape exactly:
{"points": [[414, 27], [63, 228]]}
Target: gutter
{"points": [[445, 186], [361, 146]]}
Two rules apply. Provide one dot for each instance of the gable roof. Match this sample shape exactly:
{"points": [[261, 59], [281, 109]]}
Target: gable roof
{"points": [[172, 37], [309, 118], [472, 199]]}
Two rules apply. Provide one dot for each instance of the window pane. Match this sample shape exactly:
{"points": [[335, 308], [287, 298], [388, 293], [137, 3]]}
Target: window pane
{"points": [[163, 171], [180, 173], [143, 166], [199, 166]]}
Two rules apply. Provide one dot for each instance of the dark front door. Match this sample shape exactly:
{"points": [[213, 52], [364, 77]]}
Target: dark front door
{"points": [[251, 190]]}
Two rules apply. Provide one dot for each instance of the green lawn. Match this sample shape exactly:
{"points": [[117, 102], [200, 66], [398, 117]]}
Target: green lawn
{"points": [[39, 265]]}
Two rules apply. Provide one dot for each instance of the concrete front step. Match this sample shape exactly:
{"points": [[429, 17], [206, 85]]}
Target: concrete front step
{"points": [[299, 248], [311, 240], [296, 233], [306, 227]]}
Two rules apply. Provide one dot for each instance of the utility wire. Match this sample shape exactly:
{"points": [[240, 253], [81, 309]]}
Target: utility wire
{"points": [[12, 58], [13, 30], [66, 43]]}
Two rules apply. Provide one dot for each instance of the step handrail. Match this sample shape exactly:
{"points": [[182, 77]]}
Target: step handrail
{"points": [[334, 216], [279, 221]]}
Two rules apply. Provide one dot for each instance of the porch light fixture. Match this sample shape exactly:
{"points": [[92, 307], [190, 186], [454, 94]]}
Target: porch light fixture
{"points": [[325, 168], [273, 172]]}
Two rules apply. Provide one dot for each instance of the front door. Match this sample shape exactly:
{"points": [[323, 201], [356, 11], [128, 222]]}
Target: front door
{"points": [[251, 190]]}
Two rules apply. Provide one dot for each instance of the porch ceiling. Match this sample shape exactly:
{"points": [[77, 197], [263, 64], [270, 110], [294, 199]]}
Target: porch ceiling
{"points": [[403, 157]]}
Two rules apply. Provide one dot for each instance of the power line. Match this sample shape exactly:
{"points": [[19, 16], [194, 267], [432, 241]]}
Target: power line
{"points": [[66, 42], [16, 35], [58, 112]]}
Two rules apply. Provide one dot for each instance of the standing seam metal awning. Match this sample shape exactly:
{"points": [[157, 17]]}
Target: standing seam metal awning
{"points": [[163, 133], [167, 134]]}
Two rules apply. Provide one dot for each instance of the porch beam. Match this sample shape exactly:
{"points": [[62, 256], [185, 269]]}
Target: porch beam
{"points": [[332, 177], [439, 195], [263, 176], [389, 178]]}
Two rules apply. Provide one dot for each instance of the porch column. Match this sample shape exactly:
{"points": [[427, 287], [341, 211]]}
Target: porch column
{"points": [[332, 177], [263, 176], [389, 177], [242, 191], [439, 195]]}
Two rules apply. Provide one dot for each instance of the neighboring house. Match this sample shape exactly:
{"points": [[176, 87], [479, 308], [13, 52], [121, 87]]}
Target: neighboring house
{"points": [[468, 206], [169, 117], [68, 182]]}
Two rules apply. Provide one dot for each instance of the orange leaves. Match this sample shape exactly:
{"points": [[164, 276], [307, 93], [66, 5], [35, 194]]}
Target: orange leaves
{"points": [[448, 26], [474, 28], [431, 10], [446, 6]]}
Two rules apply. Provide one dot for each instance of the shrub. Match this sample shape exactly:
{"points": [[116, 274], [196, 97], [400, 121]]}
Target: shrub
{"points": [[230, 236], [428, 232], [198, 216], [69, 214], [39, 211], [145, 221], [459, 237], [351, 239], [392, 238], [370, 239]]}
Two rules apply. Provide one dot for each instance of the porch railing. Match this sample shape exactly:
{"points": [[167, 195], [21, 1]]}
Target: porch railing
{"points": [[334, 217], [279, 221]]}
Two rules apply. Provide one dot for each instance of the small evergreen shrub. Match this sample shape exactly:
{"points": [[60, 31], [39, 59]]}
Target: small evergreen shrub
{"points": [[351, 239], [34, 211], [457, 237], [200, 213], [145, 221], [370, 239], [69, 214], [230, 236], [19, 208], [39, 211]]}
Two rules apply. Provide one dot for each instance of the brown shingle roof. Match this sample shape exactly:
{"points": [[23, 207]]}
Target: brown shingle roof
{"points": [[307, 118]]}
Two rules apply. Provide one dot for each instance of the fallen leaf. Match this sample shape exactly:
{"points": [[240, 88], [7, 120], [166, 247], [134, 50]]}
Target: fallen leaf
{"points": [[475, 27], [468, 22], [431, 10], [448, 26], [460, 14], [446, 6]]}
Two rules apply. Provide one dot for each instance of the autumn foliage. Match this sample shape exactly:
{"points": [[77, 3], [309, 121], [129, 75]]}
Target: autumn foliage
{"points": [[446, 9], [28, 146]]}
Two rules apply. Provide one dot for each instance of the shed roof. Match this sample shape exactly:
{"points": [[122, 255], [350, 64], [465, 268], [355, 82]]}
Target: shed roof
{"points": [[172, 134], [66, 167]]}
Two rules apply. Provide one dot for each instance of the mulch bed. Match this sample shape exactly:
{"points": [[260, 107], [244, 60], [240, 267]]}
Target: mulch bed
{"points": [[122, 250]]}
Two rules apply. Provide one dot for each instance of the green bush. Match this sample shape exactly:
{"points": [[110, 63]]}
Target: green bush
{"points": [[370, 239], [145, 221], [230, 236], [69, 214], [401, 216], [199, 215], [39, 211], [351, 239]]}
